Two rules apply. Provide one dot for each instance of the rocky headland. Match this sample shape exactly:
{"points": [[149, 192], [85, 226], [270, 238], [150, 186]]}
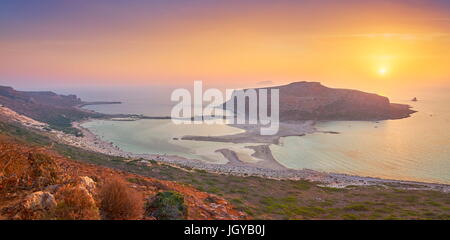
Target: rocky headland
{"points": [[313, 101]]}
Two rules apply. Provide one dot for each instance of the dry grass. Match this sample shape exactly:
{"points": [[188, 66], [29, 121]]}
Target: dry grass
{"points": [[32, 169], [119, 202], [75, 203]]}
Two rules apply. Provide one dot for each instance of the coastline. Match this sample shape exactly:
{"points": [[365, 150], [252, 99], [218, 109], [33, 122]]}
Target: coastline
{"points": [[252, 133], [268, 168]]}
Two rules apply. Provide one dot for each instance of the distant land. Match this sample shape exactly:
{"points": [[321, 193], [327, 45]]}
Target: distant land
{"points": [[313, 101], [59, 111], [47, 167], [298, 101]]}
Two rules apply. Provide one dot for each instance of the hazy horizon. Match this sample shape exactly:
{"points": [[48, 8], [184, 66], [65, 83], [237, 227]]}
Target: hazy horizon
{"points": [[113, 93], [381, 47]]}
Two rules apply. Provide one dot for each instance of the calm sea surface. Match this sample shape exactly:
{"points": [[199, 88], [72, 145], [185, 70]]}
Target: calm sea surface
{"points": [[416, 148]]}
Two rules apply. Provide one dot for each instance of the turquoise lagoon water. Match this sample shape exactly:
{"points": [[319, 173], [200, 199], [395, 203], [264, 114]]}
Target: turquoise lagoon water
{"points": [[415, 148], [163, 137]]}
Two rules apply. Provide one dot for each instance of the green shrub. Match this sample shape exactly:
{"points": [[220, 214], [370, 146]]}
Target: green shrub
{"points": [[357, 207], [166, 206]]}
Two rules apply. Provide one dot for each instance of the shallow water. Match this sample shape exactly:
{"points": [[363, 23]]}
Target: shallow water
{"points": [[415, 148], [163, 137]]}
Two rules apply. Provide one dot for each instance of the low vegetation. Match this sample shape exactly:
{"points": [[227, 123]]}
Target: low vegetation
{"points": [[25, 171], [167, 206], [37, 183], [264, 198], [118, 201], [74, 203]]}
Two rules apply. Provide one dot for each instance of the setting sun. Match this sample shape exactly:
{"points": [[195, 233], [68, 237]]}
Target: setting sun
{"points": [[230, 110], [382, 71]]}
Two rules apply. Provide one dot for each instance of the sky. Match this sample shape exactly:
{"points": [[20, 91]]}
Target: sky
{"points": [[369, 45]]}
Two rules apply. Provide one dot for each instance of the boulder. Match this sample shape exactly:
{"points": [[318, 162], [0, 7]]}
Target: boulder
{"points": [[39, 201], [88, 184]]}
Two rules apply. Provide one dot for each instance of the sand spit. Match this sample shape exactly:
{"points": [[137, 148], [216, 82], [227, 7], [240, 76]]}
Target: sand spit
{"points": [[252, 133], [268, 167]]}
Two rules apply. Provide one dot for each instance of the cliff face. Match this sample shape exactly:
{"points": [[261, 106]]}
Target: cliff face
{"points": [[313, 101]]}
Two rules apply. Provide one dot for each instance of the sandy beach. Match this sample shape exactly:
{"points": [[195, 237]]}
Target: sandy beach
{"points": [[267, 168], [252, 133]]}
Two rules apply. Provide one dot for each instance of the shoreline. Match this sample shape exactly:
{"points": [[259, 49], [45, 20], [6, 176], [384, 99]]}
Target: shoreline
{"points": [[252, 134], [265, 169]]}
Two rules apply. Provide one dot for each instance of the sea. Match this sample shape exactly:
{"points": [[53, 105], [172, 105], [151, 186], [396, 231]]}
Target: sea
{"points": [[415, 148]]}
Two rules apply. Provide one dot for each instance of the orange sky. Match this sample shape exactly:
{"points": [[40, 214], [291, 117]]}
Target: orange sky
{"points": [[376, 46]]}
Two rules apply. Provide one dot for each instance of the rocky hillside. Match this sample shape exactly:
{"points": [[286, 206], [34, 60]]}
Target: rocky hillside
{"points": [[59, 111], [42, 97], [36, 183], [313, 101]]}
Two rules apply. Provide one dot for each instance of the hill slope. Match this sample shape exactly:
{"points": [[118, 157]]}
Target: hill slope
{"points": [[29, 171], [313, 101], [59, 111]]}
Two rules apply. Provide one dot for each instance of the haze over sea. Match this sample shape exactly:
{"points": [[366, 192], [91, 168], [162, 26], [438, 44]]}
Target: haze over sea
{"points": [[416, 148]]}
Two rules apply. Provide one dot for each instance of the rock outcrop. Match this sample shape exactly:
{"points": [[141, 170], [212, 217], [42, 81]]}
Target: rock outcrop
{"points": [[313, 101], [36, 183], [88, 184], [39, 201]]}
